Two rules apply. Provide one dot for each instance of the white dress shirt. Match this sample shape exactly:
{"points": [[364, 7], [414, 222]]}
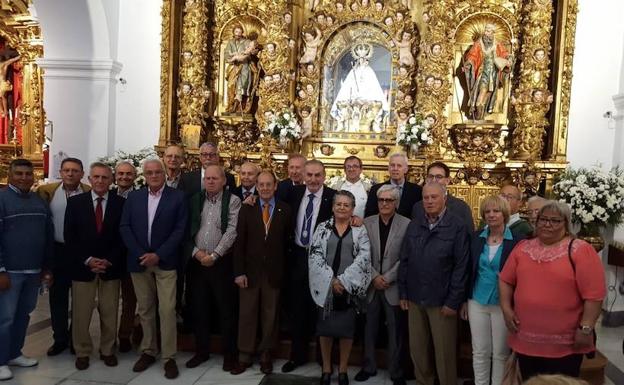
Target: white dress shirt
{"points": [[58, 204], [360, 194], [302, 212], [94, 197], [153, 199]]}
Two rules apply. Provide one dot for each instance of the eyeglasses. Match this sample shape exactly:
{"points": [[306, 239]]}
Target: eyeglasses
{"points": [[437, 178], [550, 221], [208, 154], [386, 200], [508, 196], [153, 173], [352, 166]]}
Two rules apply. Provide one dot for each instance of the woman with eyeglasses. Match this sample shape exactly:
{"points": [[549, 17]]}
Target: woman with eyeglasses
{"points": [[340, 272], [489, 251], [551, 292]]}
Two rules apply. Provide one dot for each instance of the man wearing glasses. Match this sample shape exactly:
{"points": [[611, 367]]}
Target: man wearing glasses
{"points": [[353, 184], [439, 172], [385, 231], [192, 181], [516, 224]]}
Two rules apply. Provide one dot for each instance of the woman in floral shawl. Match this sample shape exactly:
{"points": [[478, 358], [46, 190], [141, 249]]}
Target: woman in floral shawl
{"points": [[340, 272]]}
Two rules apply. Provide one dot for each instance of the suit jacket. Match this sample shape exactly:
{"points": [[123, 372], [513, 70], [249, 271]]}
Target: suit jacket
{"points": [[46, 191], [83, 241], [256, 254], [391, 254], [238, 191], [167, 228], [191, 182], [411, 194], [454, 205], [325, 211], [283, 190]]}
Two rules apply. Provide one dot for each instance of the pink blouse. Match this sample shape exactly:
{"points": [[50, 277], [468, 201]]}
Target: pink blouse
{"points": [[548, 298]]}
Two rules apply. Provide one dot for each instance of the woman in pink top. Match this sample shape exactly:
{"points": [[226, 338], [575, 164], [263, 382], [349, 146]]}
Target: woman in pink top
{"points": [[551, 292]]}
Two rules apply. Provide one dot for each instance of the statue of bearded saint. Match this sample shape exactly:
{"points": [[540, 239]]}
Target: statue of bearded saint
{"points": [[487, 65], [242, 71]]}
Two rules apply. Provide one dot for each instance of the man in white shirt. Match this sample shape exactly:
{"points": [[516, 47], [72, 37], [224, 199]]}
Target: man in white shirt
{"points": [[355, 185]]}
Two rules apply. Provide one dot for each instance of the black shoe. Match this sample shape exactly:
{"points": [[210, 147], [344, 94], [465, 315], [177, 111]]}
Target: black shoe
{"points": [[289, 366], [125, 345], [197, 360], [343, 379], [325, 379], [71, 349], [398, 381], [363, 375], [56, 349]]}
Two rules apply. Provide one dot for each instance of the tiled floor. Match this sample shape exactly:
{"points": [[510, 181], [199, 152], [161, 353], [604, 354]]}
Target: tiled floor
{"points": [[60, 370]]}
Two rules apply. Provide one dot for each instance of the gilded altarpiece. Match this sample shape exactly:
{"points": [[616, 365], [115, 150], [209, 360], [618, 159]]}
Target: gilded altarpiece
{"points": [[492, 78]]}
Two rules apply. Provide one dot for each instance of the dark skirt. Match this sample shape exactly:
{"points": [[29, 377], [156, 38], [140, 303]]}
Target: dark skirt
{"points": [[336, 324]]}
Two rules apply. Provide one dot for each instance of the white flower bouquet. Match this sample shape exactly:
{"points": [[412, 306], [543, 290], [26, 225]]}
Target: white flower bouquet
{"points": [[595, 197], [136, 159], [283, 126], [416, 132]]}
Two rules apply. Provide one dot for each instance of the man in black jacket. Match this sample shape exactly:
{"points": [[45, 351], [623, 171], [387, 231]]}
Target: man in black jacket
{"points": [[192, 182], [92, 238], [410, 193]]}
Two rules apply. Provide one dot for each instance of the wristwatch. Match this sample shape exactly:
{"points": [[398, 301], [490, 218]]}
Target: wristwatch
{"points": [[586, 329]]}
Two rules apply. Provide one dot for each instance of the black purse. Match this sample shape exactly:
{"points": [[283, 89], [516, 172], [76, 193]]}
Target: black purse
{"points": [[591, 354]]}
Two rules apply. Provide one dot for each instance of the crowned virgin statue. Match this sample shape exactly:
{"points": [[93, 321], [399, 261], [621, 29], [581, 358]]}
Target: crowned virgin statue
{"points": [[361, 103]]}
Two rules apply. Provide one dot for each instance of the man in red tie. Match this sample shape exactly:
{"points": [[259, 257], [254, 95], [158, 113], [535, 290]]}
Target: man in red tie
{"points": [[259, 260], [96, 250]]}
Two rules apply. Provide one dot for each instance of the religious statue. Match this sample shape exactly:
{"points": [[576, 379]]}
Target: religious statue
{"points": [[242, 72], [361, 103], [5, 85], [312, 40], [404, 42], [486, 67]]}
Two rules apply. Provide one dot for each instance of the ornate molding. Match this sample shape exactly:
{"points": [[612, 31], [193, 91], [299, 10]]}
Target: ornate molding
{"points": [[165, 69]]}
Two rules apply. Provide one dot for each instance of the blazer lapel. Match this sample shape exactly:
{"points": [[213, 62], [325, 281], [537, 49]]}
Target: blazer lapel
{"points": [[376, 243], [390, 241], [159, 209]]}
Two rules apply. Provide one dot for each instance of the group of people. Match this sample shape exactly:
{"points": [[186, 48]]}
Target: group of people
{"points": [[295, 252]]}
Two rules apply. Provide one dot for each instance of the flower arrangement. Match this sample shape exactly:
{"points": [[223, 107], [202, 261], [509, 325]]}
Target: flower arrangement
{"points": [[339, 179], [283, 126], [595, 197], [136, 159], [415, 132]]}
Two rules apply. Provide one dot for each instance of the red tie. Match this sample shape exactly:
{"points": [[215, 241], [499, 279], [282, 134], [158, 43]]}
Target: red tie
{"points": [[99, 215]]}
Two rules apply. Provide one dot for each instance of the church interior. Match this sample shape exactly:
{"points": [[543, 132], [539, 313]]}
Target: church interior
{"points": [[501, 91]]}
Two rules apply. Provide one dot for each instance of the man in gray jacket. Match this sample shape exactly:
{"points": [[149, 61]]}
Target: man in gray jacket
{"points": [[432, 281], [386, 231]]}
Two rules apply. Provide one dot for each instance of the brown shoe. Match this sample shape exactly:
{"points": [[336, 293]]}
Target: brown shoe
{"points": [[229, 363], [196, 360], [266, 364], [240, 367], [109, 360], [171, 369], [144, 362], [82, 363]]}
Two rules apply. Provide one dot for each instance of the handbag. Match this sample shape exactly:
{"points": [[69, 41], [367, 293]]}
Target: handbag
{"points": [[511, 374], [591, 354]]}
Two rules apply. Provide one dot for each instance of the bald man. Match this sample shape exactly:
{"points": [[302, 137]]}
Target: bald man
{"points": [[248, 175]]}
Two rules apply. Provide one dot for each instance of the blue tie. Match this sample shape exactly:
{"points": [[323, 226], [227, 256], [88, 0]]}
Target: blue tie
{"points": [[307, 221]]}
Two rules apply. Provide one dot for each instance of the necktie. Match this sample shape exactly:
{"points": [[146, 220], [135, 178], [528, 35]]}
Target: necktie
{"points": [[99, 215], [246, 194], [400, 194], [266, 217], [307, 221]]}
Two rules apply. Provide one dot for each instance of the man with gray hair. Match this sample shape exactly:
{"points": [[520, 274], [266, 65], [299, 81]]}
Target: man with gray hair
{"points": [[409, 193], [192, 181], [386, 231], [152, 226], [432, 277], [534, 205]]}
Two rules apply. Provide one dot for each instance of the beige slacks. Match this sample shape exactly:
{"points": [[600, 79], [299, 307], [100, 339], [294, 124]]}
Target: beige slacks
{"points": [[427, 324], [157, 288], [83, 303]]}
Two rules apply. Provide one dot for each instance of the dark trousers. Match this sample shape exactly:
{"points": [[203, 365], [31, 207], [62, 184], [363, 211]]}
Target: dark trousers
{"points": [[379, 304], [531, 366], [302, 310], [213, 287], [59, 295], [128, 308]]}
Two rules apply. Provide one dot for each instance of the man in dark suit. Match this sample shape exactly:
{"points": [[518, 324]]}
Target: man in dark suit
{"points": [[192, 182], [152, 227], [410, 193], [259, 258], [248, 176], [173, 158], [310, 204], [93, 241], [296, 163]]}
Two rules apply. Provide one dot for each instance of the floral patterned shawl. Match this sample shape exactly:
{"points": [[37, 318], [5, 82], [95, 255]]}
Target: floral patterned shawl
{"points": [[355, 278]]}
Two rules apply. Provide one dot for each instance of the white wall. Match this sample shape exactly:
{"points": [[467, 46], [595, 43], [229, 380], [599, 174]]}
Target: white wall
{"points": [[596, 79], [138, 101]]}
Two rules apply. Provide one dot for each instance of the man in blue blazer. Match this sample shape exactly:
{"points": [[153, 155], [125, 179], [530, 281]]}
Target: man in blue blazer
{"points": [[152, 227]]}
